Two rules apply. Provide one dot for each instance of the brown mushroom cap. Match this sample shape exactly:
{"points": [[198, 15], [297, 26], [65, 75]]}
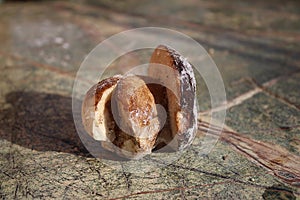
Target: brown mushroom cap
{"points": [[174, 72], [137, 113]]}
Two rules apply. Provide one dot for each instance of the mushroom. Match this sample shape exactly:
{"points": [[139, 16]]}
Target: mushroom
{"points": [[124, 112], [136, 115], [176, 74], [96, 110], [120, 111]]}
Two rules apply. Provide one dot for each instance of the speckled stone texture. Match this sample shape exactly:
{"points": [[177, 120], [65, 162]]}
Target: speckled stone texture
{"points": [[255, 44]]}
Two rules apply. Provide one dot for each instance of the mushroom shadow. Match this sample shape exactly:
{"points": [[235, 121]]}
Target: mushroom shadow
{"points": [[41, 122]]}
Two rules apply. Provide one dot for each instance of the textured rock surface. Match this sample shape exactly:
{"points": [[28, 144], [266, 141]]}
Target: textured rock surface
{"points": [[254, 44]]}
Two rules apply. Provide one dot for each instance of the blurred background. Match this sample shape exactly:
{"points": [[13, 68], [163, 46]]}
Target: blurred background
{"points": [[255, 44], [252, 39]]}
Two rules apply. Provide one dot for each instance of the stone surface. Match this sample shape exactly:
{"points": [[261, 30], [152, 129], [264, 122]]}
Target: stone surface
{"points": [[254, 44]]}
